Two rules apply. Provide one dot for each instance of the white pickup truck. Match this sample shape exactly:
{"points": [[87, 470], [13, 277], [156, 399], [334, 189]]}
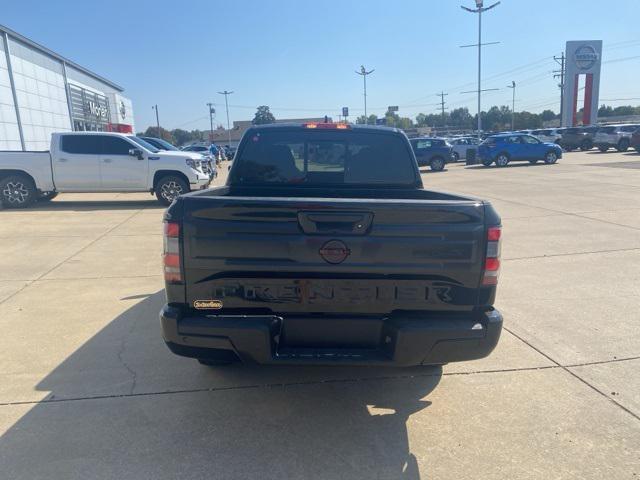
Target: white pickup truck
{"points": [[97, 162]]}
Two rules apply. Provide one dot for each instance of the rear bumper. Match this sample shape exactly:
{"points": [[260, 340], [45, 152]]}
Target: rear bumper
{"points": [[403, 341]]}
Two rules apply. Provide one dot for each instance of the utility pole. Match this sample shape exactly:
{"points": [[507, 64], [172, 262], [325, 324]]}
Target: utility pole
{"points": [[226, 103], [442, 95], [560, 74], [155, 107], [212, 112], [513, 104], [479, 9], [364, 73]]}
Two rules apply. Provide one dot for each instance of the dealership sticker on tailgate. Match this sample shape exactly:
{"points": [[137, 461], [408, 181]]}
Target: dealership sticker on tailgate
{"points": [[207, 304]]}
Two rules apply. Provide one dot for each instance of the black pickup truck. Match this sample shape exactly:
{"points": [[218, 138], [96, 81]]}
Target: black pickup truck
{"points": [[324, 248]]}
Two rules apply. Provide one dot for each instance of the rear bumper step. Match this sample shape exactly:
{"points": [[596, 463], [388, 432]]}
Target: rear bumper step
{"points": [[437, 339]]}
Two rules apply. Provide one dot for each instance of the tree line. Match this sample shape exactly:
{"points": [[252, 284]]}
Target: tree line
{"points": [[495, 119]]}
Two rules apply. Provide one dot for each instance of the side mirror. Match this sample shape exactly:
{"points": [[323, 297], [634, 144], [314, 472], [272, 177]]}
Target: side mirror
{"points": [[136, 152]]}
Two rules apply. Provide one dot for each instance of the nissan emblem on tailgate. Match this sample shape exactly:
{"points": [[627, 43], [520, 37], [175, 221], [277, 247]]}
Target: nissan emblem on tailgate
{"points": [[334, 251]]}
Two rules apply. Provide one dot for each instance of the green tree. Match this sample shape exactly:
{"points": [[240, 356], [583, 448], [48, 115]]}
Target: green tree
{"points": [[181, 136], [164, 134], [547, 115], [263, 115], [461, 118]]}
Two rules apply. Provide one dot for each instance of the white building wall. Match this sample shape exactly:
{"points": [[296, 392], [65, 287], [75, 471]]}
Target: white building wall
{"points": [[9, 132], [41, 94]]}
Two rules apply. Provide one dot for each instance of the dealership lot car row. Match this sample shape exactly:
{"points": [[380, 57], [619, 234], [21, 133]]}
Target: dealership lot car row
{"points": [[91, 374]]}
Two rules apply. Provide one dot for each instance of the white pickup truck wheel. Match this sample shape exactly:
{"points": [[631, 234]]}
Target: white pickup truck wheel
{"points": [[17, 191], [169, 188]]}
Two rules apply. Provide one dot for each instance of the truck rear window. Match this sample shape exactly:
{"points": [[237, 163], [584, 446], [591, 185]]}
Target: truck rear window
{"points": [[313, 157]]}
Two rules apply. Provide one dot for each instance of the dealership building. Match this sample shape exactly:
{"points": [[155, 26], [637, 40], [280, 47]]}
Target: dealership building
{"points": [[42, 92]]}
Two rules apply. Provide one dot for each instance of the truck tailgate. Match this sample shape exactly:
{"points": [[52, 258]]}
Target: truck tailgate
{"points": [[283, 256]]}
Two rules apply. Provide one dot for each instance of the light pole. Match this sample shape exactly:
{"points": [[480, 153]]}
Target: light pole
{"points": [[155, 107], [479, 9], [513, 103], [212, 112], [226, 103], [364, 73]]}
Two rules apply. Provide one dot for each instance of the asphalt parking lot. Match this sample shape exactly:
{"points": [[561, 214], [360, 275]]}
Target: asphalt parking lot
{"points": [[89, 390]]}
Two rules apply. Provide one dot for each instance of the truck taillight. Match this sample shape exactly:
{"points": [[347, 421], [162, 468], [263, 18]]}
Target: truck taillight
{"points": [[492, 263], [171, 253]]}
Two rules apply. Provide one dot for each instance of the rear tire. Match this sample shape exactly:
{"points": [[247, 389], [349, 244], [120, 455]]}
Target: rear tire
{"points": [[437, 164], [218, 358], [502, 160], [456, 156], [17, 191], [623, 145], [550, 158], [169, 188]]}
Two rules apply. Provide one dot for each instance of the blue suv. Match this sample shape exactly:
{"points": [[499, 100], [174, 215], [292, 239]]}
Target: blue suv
{"points": [[432, 152], [510, 147]]}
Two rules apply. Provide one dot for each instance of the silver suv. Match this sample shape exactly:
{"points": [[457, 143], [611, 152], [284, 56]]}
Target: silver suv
{"points": [[614, 136], [460, 145], [549, 135]]}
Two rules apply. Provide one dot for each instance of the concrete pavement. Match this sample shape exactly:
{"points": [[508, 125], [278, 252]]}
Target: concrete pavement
{"points": [[88, 389]]}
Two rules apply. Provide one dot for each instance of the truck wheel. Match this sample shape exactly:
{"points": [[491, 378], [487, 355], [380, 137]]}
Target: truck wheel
{"points": [[586, 145], [603, 148], [216, 358], [623, 145], [47, 196], [456, 156], [437, 164], [550, 158], [502, 160], [169, 188], [17, 191]]}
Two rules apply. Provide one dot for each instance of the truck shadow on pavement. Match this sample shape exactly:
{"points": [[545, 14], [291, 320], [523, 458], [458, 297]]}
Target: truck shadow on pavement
{"points": [[95, 205], [123, 406]]}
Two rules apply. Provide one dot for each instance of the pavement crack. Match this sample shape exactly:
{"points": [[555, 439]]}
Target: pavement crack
{"points": [[567, 368], [573, 253], [120, 354], [314, 382]]}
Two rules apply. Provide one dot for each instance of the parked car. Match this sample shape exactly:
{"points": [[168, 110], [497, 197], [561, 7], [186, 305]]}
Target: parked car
{"points": [[199, 148], [578, 137], [97, 162], [550, 135], [635, 140], [324, 248], [160, 144], [432, 152], [210, 162], [614, 136], [460, 145], [506, 148]]}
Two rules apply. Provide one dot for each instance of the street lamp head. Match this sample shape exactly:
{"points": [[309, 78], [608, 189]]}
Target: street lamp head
{"points": [[479, 3]]}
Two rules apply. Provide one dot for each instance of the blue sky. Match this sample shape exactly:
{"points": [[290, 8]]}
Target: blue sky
{"points": [[299, 56]]}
